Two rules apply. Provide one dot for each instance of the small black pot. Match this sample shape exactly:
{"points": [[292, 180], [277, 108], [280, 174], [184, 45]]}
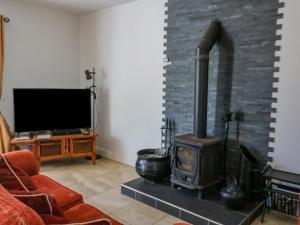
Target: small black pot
{"points": [[232, 196], [153, 164]]}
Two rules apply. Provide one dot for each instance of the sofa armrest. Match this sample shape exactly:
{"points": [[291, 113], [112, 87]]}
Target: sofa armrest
{"points": [[25, 160]]}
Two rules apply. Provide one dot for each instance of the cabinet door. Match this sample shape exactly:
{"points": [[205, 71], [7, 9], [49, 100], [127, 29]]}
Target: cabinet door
{"points": [[52, 149], [80, 147]]}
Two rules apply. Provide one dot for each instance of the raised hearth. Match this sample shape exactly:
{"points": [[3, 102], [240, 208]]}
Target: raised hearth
{"points": [[185, 205]]}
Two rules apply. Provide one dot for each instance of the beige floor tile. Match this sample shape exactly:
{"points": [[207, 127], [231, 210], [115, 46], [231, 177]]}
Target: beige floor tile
{"points": [[100, 186], [65, 164], [169, 220], [118, 177], [89, 187], [139, 214], [274, 218], [110, 201], [66, 178]]}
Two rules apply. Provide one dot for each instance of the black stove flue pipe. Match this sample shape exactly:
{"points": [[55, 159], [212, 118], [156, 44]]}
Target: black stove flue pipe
{"points": [[201, 81]]}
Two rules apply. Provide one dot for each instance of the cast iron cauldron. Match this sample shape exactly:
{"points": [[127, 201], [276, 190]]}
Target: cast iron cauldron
{"points": [[153, 164]]}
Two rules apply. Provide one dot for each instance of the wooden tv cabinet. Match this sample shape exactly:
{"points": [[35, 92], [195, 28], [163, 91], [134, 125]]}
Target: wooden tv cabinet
{"points": [[59, 147]]}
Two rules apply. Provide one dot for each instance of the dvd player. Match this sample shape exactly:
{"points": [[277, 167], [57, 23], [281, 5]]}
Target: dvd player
{"points": [[65, 132]]}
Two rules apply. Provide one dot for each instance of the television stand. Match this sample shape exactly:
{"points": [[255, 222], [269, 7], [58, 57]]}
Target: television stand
{"points": [[59, 146], [24, 135], [65, 132]]}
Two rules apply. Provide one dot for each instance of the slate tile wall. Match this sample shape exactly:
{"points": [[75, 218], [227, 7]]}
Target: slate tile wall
{"points": [[240, 72]]}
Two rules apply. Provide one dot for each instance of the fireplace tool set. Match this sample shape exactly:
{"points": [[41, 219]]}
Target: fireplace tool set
{"points": [[227, 119], [168, 133], [237, 190]]}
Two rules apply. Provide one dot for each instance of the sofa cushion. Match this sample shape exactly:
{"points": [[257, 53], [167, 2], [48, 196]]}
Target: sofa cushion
{"points": [[51, 220], [65, 197], [84, 213], [40, 202], [23, 159], [14, 178], [14, 212], [102, 221]]}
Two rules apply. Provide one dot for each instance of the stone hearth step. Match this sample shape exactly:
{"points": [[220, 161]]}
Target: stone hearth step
{"points": [[185, 205]]}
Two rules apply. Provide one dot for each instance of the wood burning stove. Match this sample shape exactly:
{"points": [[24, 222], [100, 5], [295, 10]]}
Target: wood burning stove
{"points": [[197, 157], [196, 163]]}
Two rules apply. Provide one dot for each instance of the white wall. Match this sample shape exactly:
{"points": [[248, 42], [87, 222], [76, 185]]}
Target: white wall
{"points": [[125, 44], [41, 50], [287, 135]]}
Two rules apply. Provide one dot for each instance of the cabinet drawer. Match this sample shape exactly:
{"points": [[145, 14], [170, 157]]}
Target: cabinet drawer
{"points": [[82, 145]]}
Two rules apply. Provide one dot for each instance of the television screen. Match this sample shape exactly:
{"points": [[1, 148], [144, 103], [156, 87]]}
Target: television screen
{"points": [[51, 109]]}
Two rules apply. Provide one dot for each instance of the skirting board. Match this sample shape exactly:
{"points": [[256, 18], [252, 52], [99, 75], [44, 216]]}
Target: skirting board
{"points": [[113, 155]]}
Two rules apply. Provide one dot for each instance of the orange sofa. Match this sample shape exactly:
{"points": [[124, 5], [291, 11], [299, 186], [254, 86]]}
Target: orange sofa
{"points": [[71, 202]]}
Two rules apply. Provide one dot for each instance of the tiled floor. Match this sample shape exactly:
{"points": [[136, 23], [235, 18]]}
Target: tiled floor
{"points": [[100, 186]]}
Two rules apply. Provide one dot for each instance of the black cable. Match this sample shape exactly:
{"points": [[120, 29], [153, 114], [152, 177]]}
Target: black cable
{"points": [[98, 115]]}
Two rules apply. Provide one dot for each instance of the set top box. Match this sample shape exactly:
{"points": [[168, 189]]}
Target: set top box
{"points": [[51, 109]]}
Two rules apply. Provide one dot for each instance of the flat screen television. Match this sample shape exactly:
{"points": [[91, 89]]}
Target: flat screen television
{"points": [[51, 109]]}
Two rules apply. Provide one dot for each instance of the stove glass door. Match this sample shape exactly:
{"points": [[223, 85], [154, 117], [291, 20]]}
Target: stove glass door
{"points": [[186, 159]]}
